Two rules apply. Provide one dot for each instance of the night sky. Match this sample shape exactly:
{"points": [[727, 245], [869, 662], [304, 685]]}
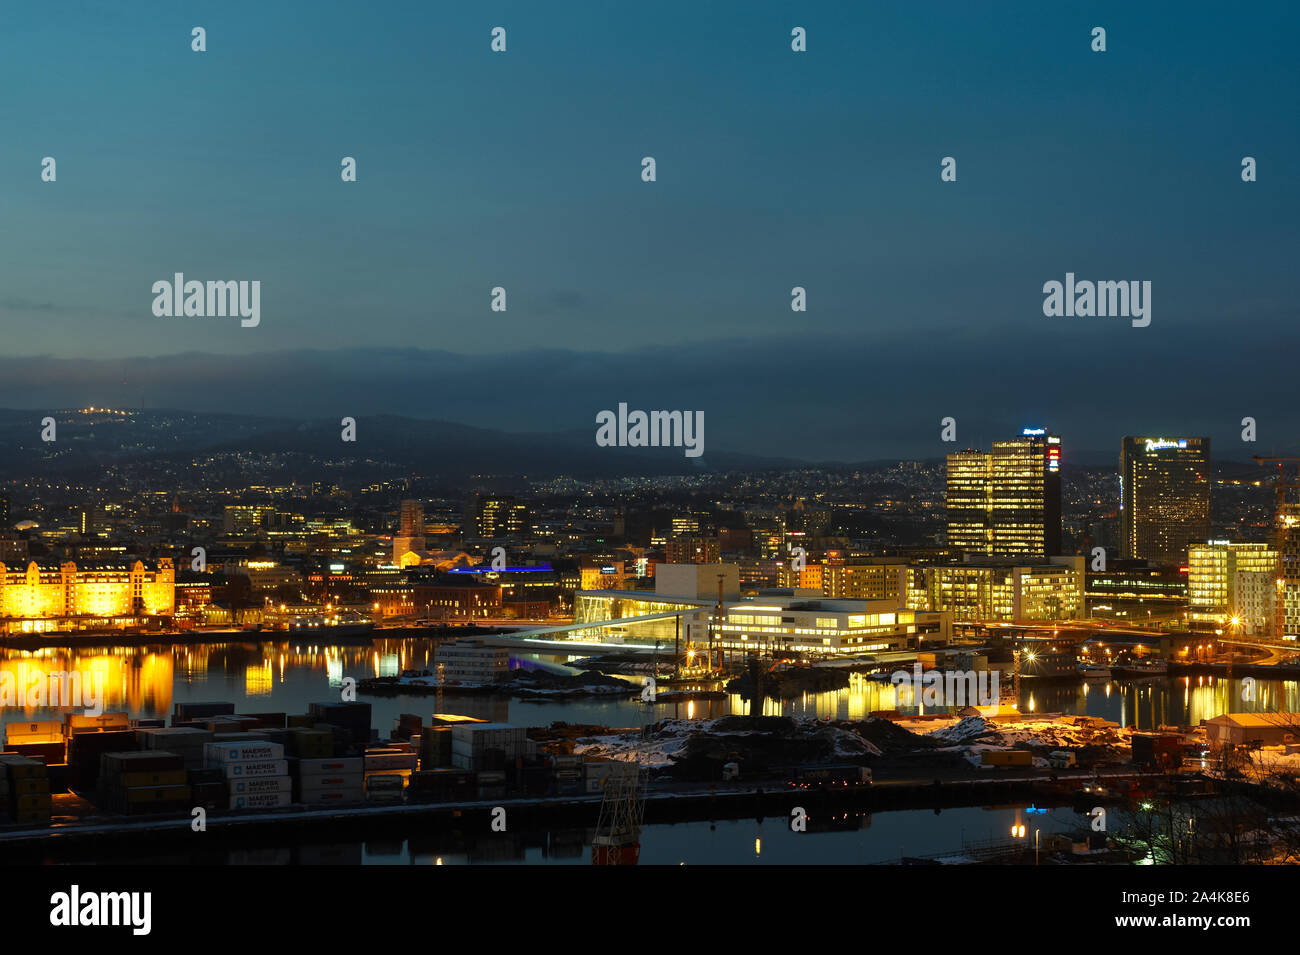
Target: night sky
{"points": [[775, 169]]}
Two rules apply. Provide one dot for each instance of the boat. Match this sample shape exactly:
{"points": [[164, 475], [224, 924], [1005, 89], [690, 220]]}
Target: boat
{"points": [[1093, 671], [1149, 669], [317, 628]]}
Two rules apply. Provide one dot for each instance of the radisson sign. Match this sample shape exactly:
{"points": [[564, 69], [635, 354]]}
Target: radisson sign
{"points": [[1163, 444]]}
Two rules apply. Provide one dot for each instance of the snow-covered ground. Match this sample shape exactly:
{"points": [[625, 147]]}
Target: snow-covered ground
{"points": [[672, 735], [973, 735]]}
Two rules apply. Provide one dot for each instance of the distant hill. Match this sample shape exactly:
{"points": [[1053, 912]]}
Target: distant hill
{"points": [[86, 443]]}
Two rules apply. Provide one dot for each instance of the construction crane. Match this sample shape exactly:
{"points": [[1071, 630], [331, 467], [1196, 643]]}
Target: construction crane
{"points": [[1282, 483]]}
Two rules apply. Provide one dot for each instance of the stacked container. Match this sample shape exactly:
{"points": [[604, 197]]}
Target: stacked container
{"points": [[435, 747], [26, 789], [85, 747], [328, 781], [136, 782], [186, 742], [257, 774], [480, 746], [352, 718]]}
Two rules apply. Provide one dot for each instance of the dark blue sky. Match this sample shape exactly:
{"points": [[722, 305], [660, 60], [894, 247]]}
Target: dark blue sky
{"points": [[775, 169]]}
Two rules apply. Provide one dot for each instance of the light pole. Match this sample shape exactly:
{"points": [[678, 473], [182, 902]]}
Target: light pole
{"points": [[1036, 832]]}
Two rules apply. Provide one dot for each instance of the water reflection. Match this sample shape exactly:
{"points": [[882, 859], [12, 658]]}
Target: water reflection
{"points": [[147, 681]]}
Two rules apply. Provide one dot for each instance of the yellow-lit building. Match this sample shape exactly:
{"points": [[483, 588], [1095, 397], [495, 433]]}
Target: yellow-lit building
{"points": [[44, 597], [1212, 586], [997, 591], [1007, 502]]}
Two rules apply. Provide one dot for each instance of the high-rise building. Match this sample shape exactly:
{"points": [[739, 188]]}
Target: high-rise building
{"points": [[4, 513], [1288, 541], [497, 517], [1164, 497], [968, 501], [1222, 586], [692, 549], [1007, 502], [410, 530]]}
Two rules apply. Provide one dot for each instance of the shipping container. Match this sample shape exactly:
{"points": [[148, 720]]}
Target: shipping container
{"points": [[139, 761], [386, 761], [312, 784], [261, 785], [185, 712], [29, 787], [171, 777], [267, 720], [1007, 757], [16, 767], [145, 794], [261, 801], [74, 723], [45, 752], [242, 769], [346, 765], [332, 797], [39, 731], [243, 751], [310, 743]]}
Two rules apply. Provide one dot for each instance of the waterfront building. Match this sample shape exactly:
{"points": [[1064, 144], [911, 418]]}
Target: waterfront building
{"points": [[782, 619], [1214, 571], [470, 661], [1137, 591], [43, 597], [1006, 591]]}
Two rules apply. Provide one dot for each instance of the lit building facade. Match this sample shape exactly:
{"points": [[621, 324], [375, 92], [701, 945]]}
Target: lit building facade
{"points": [[494, 517], [1164, 497], [1007, 502], [1213, 572], [773, 621], [1000, 591], [469, 661], [410, 532], [41, 597], [1137, 591]]}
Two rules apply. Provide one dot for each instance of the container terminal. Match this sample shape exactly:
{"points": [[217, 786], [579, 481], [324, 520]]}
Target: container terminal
{"points": [[111, 778]]}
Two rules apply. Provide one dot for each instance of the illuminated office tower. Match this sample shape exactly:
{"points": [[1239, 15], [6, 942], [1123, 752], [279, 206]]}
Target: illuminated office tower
{"points": [[1026, 495], [1007, 502], [968, 501], [1223, 583], [493, 517], [1164, 497]]}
